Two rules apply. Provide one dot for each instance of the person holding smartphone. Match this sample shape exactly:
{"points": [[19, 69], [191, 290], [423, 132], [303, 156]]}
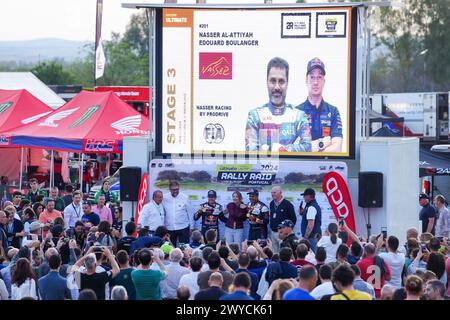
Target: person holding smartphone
{"points": [[35, 231]]}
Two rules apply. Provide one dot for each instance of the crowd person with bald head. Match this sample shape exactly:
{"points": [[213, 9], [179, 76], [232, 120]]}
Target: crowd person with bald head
{"points": [[153, 213], [214, 289]]}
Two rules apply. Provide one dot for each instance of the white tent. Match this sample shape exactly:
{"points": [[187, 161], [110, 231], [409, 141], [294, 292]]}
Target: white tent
{"points": [[27, 80]]}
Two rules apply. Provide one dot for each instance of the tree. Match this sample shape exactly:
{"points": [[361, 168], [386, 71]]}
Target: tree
{"points": [[171, 175], [52, 73], [201, 176], [416, 36]]}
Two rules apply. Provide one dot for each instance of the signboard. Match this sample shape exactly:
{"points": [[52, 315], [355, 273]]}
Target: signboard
{"points": [[196, 177], [277, 81]]}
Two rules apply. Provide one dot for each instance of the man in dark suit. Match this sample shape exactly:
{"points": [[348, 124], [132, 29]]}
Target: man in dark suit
{"points": [[13, 228]]}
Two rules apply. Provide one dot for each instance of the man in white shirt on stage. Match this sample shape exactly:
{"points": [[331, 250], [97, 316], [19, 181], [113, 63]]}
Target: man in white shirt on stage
{"points": [[153, 213], [179, 218], [73, 212]]}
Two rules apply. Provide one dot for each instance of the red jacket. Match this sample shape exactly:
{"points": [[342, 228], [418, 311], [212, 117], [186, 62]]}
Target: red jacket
{"points": [[236, 216]]}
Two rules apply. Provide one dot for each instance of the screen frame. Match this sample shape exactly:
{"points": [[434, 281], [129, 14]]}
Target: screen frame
{"points": [[247, 154]]}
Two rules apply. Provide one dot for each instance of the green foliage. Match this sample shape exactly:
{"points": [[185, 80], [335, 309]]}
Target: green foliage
{"points": [[418, 43], [52, 73]]}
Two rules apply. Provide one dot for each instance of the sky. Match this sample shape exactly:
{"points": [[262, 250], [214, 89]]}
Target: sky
{"points": [[73, 19]]}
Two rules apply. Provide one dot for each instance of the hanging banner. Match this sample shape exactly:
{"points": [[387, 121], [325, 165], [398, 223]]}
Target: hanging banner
{"points": [[100, 59], [335, 189], [142, 198], [196, 177]]}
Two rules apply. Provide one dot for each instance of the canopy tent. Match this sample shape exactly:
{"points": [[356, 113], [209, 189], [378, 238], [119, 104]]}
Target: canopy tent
{"points": [[28, 81], [17, 108], [433, 164], [92, 122]]}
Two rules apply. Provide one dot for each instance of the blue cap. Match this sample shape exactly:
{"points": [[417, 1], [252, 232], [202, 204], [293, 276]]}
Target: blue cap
{"points": [[254, 192], [286, 224], [315, 63], [212, 194]]}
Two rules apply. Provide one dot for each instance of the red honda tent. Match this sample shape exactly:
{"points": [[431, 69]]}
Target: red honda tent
{"points": [[17, 108], [92, 122]]}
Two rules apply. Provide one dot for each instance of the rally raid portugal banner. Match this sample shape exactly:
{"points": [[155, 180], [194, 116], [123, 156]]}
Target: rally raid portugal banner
{"points": [[215, 90], [196, 178]]}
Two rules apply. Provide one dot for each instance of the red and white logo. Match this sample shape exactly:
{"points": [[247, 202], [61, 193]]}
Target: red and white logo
{"points": [[142, 197], [129, 125], [336, 190], [36, 117], [50, 121], [216, 65]]}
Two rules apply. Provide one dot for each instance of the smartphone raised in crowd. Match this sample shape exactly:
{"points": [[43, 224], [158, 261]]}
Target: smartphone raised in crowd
{"points": [[384, 232]]}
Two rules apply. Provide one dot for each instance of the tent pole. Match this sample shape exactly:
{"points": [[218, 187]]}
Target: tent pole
{"points": [[21, 169], [52, 169], [81, 172]]}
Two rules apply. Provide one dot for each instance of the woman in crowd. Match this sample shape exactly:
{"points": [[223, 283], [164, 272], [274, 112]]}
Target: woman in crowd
{"points": [[38, 208], [237, 214], [330, 242], [23, 284]]}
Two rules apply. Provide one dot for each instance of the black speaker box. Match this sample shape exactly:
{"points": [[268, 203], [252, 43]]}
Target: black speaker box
{"points": [[130, 180], [370, 187]]}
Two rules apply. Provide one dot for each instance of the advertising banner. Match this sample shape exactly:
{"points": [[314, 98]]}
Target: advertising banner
{"points": [[196, 177], [254, 81], [142, 199], [336, 190]]}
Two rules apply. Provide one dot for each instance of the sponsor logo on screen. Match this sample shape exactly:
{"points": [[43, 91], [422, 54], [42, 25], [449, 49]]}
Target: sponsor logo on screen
{"points": [[129, 125], [50, 121], [4, 141], [5, 106], [295, 25], [331, 25], [214, 133], [86, 115], [216, 65], [99, 145]]}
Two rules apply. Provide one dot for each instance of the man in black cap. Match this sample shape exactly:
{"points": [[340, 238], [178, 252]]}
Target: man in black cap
{"points": [[427, 214], [324, 119], [210, 212], [311, 218], [287, 236], [258, 216]]}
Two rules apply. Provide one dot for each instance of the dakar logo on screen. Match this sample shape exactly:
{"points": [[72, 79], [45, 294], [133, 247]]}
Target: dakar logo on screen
{"points": [[216, 65]]}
